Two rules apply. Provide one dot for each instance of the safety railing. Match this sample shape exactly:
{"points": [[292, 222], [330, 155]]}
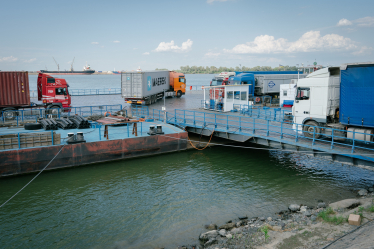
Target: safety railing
{"points": [[196, 88], [250, 110], [83, 92], [347, 142], [97, 132], [33, 114], [140, 111]]}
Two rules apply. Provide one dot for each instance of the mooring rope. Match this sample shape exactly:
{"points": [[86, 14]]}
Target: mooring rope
{"points": [[33, 178]]}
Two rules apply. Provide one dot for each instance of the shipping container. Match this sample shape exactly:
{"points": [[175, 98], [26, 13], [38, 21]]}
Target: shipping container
{"points": [[270, 83], [14, 89], [356, 94], [144, 84]]}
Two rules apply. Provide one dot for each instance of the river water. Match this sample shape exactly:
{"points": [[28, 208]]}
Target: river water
{"points": [[165, 200]]}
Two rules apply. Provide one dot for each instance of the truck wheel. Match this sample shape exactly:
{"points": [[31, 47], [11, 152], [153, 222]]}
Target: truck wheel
{"points": [[309, 127], [9, 113], [54, 110], [179, 94]]}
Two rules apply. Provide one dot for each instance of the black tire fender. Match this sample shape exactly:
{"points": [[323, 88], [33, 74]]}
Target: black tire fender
{"points": [[32, 126]]}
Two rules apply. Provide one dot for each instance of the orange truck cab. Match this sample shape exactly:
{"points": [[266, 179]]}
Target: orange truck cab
{"points": [[178, 83]]}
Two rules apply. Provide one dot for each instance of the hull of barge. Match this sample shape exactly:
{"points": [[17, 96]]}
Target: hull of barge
{"points": [[16, 162]]}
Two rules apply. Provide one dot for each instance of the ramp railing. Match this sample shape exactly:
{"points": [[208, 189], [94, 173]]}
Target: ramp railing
{"points": [[351, 143]]}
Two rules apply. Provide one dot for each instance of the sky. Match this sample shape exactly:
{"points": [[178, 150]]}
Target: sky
{"points": [[126, 35]]}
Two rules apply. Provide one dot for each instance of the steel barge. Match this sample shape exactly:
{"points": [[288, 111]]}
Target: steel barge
{"points": [[119, 144]]}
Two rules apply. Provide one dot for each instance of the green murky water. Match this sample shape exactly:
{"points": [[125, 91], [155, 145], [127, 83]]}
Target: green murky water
{"points": [[164, 200]]}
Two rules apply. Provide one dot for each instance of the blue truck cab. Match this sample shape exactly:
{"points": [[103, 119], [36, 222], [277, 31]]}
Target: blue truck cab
{"points": [[244, 79]]}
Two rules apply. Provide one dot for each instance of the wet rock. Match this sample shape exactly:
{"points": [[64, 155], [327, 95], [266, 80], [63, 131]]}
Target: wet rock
{"points": [[272, 223], [222, 232], [294, 207], [208, 235], [269, 219], [227, 226], [229, 236], [261, 218], [283, 225], [362, 192], [239, 223], [284, 212], [371, 190], [236, 231], [230, 221], [303, 208], [210, 242], [211, 227], [243, 217], [307, 213], [321, 205], [348, 203]]}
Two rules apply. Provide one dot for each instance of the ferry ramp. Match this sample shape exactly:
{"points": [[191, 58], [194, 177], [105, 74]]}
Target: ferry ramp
{"points": [[272, 128]]}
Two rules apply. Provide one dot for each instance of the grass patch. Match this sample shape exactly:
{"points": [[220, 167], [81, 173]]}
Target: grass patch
{"points": [[326, 216], [371, 209], [265, 230]]}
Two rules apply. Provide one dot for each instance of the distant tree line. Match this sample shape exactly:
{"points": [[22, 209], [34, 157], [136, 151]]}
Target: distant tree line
{"points": [[215, 70]]}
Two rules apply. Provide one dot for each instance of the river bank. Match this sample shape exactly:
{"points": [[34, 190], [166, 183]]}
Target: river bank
{"points": [[297, 227]]}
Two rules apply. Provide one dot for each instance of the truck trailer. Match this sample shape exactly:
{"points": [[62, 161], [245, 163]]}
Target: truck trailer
{"points": [[336, 99], [15, 93], [264, 84], [146, 87]]}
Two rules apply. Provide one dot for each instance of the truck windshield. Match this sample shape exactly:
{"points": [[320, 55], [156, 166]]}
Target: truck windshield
{"points": [[216, 82], [182, 80]]}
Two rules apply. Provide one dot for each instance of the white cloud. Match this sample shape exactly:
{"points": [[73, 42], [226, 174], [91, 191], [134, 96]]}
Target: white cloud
{"points": [[95, 43], [29, 61], [211, 54], [170, 46], [211, 1], [308, 42], [8, 59], [365, 21], [116, 41], [344, 22], [363, 50], [146, 53]]}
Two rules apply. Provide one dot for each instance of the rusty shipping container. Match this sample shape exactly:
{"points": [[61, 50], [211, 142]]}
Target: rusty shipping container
{"points": [[14, 89]]}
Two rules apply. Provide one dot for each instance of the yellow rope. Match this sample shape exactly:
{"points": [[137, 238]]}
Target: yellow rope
{"points": [[194, 145]]}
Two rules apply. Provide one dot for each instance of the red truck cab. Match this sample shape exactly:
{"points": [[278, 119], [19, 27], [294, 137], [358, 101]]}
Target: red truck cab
{"points": [[53, 91]]}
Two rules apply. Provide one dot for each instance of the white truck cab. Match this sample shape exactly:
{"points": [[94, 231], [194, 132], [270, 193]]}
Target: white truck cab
{"points": [[317, 100]]}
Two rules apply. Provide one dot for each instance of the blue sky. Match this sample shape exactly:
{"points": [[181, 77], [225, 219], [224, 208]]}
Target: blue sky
{"points": [[168, 34]]}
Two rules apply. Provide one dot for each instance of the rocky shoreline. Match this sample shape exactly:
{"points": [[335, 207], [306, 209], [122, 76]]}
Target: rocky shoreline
{"points": [[299, 226]]}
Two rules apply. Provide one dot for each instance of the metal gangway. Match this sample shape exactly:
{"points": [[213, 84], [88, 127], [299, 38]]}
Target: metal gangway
{"points": [[275, 129]]}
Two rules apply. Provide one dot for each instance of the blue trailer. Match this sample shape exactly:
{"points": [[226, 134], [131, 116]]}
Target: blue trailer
{"points": [[357, 94]]}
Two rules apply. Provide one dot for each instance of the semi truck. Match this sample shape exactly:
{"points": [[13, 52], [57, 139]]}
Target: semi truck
{"points": [[221, 79], [15, 93], [336, 100], [146, 87], [264, 84]]}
